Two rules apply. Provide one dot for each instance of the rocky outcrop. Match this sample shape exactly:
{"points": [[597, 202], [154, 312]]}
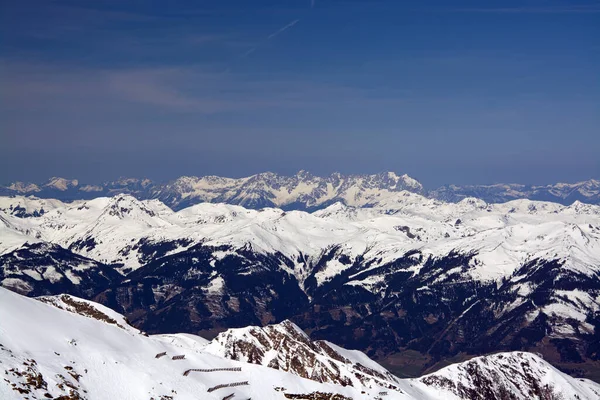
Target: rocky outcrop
{"points": [[286, 347]]}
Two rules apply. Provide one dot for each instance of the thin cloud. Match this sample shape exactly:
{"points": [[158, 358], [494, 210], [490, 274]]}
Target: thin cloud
{"points": [[285, 28], [97, 91]]}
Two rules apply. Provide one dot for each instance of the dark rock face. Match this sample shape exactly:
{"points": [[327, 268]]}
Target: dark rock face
{"points": [[196, 292], [434, 313], [46, 269]]}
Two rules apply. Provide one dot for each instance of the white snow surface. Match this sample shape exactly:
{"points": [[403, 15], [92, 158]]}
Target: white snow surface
{"points": [[504, 236], [63, 351]]}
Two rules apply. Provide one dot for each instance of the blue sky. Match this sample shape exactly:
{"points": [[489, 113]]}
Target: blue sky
{"points": [[446, 91]]}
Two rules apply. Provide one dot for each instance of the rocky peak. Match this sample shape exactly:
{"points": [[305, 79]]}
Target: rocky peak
{"points": [[23, 187], [61, 184], [286, 347], [124, 205], [516, 375]]}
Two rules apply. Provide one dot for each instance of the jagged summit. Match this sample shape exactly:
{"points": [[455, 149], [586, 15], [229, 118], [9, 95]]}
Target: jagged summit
{"points": [[268, 189], [61, 184], [301, 191], [286, 347]]}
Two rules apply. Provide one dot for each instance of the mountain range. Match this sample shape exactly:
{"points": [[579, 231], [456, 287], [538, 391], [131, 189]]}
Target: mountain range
{"points": [[302, 191], [68, 348], [413, 282]]}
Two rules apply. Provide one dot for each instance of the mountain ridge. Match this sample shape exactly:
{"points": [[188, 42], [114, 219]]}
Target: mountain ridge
{"points": [[70, 348], [409, 275], [302, 191]]}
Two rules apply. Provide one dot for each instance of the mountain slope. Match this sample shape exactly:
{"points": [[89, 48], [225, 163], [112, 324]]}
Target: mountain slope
{"points": [[68, 347], [510, 376], [44, 268], [49, 352]]}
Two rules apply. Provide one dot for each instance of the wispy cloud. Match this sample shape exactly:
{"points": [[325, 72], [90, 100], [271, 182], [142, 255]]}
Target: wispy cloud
{"points": [[59, 89], [285, 28]]}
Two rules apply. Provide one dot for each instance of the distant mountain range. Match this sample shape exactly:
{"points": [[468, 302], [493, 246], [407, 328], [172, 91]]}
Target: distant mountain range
{"points": [[302, 191]]}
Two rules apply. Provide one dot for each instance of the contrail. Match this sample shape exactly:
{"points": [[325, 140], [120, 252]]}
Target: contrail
{"points": [[288, 26], [271, 36], [247, 53], [312, 3]]}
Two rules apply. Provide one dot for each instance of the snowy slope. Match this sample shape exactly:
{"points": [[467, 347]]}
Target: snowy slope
{"points": [[122, 230], [23, 207], [47, 352]]}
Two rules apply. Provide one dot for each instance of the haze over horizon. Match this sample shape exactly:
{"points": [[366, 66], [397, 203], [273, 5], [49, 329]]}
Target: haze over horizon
{"points": [[463, 93]]}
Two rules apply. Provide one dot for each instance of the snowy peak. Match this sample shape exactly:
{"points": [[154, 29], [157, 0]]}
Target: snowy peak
{"points": [[286, 347], [23, 207], [61, 184], [517, 375], [23, 187], [300, 191], [564, 193], [126, 206]]}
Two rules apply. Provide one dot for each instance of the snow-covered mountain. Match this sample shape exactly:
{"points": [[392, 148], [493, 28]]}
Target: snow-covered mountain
{"points": [[514, 375], [410, 280], [70, 348], [302, 191], [287, 348], [44, 268], [563, 193], [24, 207]]}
